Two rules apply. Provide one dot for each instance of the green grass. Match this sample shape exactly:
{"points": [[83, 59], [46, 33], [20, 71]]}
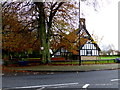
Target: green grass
{"points": [[109, 57]]}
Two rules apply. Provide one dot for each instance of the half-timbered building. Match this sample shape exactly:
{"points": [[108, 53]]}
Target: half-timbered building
{"points": [[88, 48]]}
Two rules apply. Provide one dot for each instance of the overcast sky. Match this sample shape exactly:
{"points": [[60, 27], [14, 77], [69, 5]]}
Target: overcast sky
{"points": [[104, 22]]}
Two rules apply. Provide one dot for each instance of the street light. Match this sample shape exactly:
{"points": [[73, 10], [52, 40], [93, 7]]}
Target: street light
{"points": [[79, 36], [42, 48]]}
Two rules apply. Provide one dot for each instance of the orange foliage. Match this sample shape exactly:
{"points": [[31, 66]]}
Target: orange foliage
{"points": [[83, 41], [15, 37], [70, 42]]}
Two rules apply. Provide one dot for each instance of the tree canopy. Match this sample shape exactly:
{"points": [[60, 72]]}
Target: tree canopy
{"points": [[32, 25]]}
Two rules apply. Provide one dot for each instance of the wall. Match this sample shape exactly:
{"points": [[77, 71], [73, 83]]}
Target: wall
{"points": [[89, 57]]}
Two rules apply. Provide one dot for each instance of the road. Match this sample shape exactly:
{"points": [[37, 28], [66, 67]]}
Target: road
{"points": [[72, 80]]}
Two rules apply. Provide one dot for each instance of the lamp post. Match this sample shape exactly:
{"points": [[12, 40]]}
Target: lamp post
{"points": [[79, 36]]}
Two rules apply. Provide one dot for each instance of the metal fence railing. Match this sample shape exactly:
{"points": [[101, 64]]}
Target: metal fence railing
{"points": [[83, 61]]}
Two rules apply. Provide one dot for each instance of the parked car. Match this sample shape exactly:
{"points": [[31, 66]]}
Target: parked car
{"points": [[117, 60]]}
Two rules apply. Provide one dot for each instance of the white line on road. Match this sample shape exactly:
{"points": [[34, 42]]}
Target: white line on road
{"points": [[86, 85], [46, 85], [1, 74], [115, 79], [60, 86], [41, 88]]}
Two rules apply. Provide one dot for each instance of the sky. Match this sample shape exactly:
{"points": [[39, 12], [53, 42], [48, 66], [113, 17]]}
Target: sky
{"points": [[103, 22]]}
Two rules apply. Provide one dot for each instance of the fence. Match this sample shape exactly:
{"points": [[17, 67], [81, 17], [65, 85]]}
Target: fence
{"points": [[62, 61], [86, 61]]}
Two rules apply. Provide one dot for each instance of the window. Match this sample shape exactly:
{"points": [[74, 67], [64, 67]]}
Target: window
{"points": [[89, 52]]}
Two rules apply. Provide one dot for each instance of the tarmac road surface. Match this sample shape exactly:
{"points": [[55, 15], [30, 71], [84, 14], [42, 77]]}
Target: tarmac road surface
{"points": [[107, 79]]}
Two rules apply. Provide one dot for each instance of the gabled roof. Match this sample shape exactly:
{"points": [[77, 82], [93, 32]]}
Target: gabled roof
{"points": [[83, 38], [89, 37]]}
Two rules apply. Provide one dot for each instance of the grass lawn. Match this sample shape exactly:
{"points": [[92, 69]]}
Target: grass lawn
{"points": [[109, 57]]}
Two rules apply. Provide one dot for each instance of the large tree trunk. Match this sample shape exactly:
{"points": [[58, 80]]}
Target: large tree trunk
{"points": [[48, 44], [45, 29], [44, 39]]}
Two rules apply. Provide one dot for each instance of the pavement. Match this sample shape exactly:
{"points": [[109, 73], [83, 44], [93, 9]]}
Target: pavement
{"points": [[60, 68]]}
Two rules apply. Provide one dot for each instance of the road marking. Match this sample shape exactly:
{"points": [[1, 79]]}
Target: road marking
{"points": [[40, 88], [115, 79], [86, 85], [46, 85], [103, 84], [59, 86], [1, 74]]}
